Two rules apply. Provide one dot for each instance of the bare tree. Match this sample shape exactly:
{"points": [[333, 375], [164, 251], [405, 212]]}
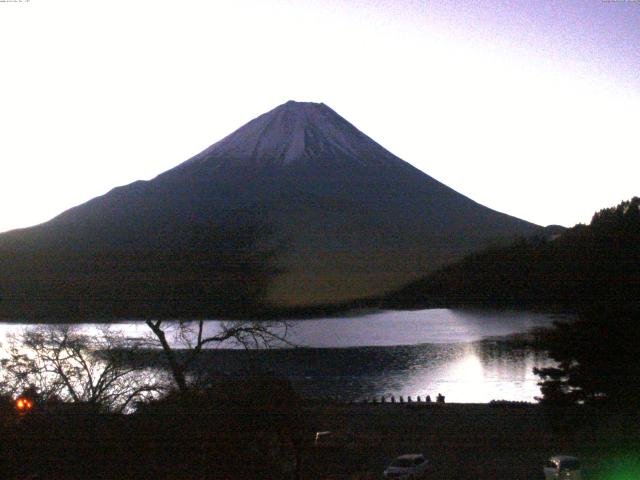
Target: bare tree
{"points": [[193, 337], [63, 363]]}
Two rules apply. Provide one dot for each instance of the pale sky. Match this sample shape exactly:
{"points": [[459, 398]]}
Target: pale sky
{"points": [[530, 107]]}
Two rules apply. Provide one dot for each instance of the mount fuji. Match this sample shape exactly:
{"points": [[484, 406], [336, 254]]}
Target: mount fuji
{"points": [[351, 219]]}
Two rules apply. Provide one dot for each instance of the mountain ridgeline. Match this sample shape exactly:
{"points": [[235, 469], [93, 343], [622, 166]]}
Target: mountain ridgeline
{"points": [[587, 268], [295, 209]]}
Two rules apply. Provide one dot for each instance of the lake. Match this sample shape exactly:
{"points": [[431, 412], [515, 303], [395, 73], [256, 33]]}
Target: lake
{"points": [[401, 353]]}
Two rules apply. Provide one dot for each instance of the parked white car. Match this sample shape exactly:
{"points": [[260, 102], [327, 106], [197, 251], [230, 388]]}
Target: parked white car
{"points": [[407, 467], [562, 467]]}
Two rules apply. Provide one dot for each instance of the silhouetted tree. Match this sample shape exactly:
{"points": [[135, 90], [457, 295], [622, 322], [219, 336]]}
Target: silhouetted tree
{"points": [[193, 337], [598, 360], [59, 362]]}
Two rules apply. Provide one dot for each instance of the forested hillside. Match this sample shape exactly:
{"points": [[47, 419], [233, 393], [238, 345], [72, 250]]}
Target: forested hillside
{"points": [[584, 267]]}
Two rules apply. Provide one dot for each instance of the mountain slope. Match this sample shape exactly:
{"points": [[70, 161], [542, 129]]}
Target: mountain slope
{"points": [[351, 220]]}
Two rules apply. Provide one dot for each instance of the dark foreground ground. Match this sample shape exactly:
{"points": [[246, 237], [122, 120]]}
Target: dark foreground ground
{"points": [[463, 441], [475, 441]]}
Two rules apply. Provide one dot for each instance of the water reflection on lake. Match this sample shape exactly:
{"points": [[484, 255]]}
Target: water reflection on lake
{"points": [[463, 372], [392, 328], [406, 353]]}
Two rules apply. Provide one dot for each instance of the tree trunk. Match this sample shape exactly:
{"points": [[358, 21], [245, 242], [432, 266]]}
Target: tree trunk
{"points": [[176, 369]]}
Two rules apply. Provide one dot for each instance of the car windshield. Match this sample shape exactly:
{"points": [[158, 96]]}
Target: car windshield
{"points": [[570, 464], [402, 462]]}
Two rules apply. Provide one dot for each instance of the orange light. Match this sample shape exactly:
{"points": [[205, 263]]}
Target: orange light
{"points": [[23, 404]]}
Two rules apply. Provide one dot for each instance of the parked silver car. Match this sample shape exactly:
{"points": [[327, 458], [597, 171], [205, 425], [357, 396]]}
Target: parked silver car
{"points": [[408, 467], [562, 467]]}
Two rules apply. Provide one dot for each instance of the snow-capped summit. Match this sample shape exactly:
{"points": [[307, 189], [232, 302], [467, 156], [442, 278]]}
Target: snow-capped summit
{"points": [[294, 133]]}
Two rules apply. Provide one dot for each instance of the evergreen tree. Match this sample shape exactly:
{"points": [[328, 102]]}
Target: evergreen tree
{"points": [[598, 360]]}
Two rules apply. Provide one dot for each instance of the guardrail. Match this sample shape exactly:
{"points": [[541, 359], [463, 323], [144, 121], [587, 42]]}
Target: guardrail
{"points": [[391, 399]]}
